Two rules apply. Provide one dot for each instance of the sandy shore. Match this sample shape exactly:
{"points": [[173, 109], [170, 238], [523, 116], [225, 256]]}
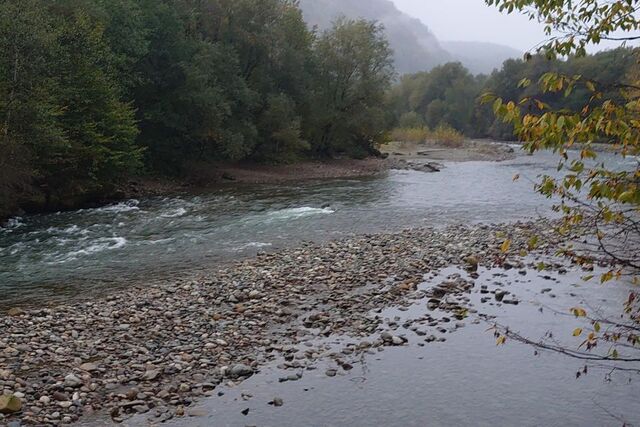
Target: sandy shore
{"points": [[156, 350]]}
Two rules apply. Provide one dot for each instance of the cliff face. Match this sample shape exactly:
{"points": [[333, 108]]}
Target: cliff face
{"points": [[416, 48]]}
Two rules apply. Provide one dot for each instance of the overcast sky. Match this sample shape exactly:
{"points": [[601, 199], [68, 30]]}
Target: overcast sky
{"points": [[473, 20]]}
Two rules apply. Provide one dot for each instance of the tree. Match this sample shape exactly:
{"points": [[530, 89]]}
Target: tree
{"points": [[354, 72], [26, 112], [95, 91], [65, 125], [445, 95], [594, 198]]}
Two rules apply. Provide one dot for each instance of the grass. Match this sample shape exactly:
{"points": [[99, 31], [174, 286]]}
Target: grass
{"points": [[443, 134], [417, 134]]}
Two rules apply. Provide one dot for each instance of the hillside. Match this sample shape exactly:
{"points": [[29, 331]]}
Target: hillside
{"points": [[481, 57], [416, 47]]}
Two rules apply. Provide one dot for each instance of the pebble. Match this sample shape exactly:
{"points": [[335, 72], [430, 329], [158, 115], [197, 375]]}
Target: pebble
{"points": [[277, 401], [72, 381], [168, 340]]}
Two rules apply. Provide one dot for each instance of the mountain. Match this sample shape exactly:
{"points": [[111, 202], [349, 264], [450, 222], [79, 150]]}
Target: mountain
{"points": [[415, 47], [481, 57]]}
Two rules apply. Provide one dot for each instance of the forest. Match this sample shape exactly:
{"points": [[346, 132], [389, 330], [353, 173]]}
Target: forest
{"points": [[95, 91], [450, 95]]}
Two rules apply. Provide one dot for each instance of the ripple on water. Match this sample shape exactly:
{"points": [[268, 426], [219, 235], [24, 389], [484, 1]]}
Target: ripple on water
{"points": [[96, 246], [128, 206], [163, 237]]}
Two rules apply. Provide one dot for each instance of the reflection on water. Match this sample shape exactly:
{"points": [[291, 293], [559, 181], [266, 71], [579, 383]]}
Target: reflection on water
{"points": [[53, 256], [465, 381]]}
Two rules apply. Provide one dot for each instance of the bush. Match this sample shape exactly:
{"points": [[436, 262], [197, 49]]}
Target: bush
{"points": [[415, 134], [443, 134], [448, 136]]}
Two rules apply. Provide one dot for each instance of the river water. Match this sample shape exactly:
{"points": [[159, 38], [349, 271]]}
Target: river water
{"points": [[465, 381], [48, 258]]}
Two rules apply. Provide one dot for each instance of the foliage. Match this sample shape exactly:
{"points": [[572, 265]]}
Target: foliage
{"points": [[449, 94], [410, 134], [92, 92], [595, 197], [355, 71], [444, 95], [446, 135], [443, 134], [63, 116]]}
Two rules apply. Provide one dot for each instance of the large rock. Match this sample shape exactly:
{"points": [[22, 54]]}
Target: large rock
{"points": [[471, 263], [10, 404], [240, 370], [151, 374], [89, 367], [72, 381], [500, 294]]}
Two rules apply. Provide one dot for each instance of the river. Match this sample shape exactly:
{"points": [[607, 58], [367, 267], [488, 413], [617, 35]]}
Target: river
{"points": [[45, 258], [464, 381]]}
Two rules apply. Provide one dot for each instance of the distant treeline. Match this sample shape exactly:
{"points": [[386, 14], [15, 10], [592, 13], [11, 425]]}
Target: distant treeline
{"points": [[94, 91], [449, 94]]}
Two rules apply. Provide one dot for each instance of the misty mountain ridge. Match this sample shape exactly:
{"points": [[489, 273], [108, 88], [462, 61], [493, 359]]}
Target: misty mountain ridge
{"points": [[481, 57], [415, 47]]}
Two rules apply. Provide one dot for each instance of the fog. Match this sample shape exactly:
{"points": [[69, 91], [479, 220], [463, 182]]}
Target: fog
{"points": [[473, 20]]}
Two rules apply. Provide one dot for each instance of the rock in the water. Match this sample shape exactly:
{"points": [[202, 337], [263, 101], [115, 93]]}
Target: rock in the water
{"points": [[277, 401], [472, 263], [499, 295], [9, 404], [240, 370], [397, 340], [386, 337]]}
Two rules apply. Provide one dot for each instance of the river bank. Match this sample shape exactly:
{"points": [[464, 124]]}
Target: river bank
{"points": [[399, 156], [158, 349], [207, 177]]}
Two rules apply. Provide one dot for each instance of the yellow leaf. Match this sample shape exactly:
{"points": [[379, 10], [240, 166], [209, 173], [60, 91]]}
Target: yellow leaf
{"points": [[606, 277], [596, 327], [501, 340], [505, 246], [577, 332], [579, 312]]}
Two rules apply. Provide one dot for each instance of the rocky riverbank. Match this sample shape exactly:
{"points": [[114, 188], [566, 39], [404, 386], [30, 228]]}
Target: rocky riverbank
{"points": [[156, 350], [413, 155]]}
